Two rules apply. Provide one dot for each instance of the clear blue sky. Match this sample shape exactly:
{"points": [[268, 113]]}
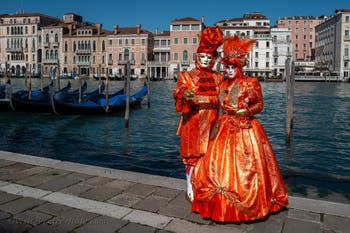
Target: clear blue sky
{"points": [[159, 13]]}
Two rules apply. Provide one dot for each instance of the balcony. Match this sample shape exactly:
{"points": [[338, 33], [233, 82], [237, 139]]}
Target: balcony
{"points": [[14, 50], [83, 63], [46, 44], [346, 58], [346, 38], [56, 44], [110, 62], [50, 61], [83, 51], [158, 63], [124, 62]]}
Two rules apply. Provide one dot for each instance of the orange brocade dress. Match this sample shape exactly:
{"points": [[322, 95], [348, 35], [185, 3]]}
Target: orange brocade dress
{"points": [[238, 179]]}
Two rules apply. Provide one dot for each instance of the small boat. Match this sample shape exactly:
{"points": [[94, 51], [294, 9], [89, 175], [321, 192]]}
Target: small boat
{"points": [[95, 105], [40, 100]]}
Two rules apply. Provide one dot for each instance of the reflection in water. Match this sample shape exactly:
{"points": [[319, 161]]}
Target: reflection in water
{"points": [[315, 164]]}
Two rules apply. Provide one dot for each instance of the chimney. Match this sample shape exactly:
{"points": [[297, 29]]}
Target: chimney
{"points": [[138, 28], [156, 30], [202, 19], [116, 28], [98, 26], [70, 28]]}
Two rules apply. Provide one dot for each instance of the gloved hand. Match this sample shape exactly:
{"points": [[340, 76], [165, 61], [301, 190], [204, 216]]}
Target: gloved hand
{"points": [[188, 94]]}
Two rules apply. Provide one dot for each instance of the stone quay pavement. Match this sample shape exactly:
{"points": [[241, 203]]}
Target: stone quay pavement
{"points": [[48, 196]]}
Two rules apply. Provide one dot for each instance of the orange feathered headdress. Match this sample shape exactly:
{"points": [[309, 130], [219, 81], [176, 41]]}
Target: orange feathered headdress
{"points": [[236, 49], [210, 40]]}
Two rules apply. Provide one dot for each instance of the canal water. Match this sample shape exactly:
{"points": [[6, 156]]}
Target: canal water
{"points": [[315, 165]]}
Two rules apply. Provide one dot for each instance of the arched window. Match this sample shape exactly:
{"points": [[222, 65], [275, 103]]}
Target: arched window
{"points": [[47, 56], [103, 45], [94, 45], [51, 54], [47, 38], [74, 46], [56, 54], [56, 38], [185, 55], [126, 55], [65, 46]]}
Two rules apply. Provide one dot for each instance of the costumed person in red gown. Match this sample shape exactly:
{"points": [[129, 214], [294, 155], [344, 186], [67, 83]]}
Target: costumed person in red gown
{"points": [[238, 179], [196, 99]]}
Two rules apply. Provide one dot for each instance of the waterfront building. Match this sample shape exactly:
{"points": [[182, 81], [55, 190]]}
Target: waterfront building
{"points": [[333, 43], [21, 44], [303, 34], [184, 39], [129, 43], [254, 25], [159, 68], [282, 49]]}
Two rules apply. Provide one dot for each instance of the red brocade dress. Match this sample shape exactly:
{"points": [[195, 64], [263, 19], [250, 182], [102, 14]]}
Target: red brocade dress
{"points": [[197, 115], [238, 179]]}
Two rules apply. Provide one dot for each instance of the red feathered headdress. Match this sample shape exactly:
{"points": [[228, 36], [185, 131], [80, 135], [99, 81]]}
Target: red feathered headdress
{"points": [[210, 39], [235, 50]]}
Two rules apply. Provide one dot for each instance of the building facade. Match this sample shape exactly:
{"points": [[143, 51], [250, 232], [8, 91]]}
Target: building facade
{"points": [[333, 44], [303, 34]]}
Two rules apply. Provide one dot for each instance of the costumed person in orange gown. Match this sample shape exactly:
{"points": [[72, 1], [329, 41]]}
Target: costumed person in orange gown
{"points": [[238, 179], [196, 99]]}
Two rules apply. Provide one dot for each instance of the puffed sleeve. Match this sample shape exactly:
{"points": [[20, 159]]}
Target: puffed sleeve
{"points": [[256, 103], [181, 105]]}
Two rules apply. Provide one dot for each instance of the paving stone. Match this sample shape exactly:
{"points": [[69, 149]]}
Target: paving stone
{"points": [[13, 226], [304, 215], [166, 192], [193, 217], [175, 211], [119, 184], [76, 189], [60, 183], [53, 209], [22, 174], [101, 193], [20, 205], [336, 224], [151, 203], [32, 217], [7, 197], [180, 200], [294, 225], [125, 199], [102, 224], [266, 226], [141, 189], [136, 228], [41, 178], [4, 215], [14, 168], [183, 226], [5, 163], [96, 180], [147, 218]]}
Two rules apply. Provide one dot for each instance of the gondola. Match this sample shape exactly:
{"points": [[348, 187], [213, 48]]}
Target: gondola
{"points": [[40, 100], [97, 104]]}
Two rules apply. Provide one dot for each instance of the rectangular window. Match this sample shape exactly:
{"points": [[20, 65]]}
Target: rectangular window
{"points": [[176, 27], [185, 40], [176, 56], [186, 27], [267, 54], [267, 64], [133, 41], [275, 60], [120, 41], [256, 64], [256, 54], [176, 40], [143, 41], [195, 27], [194, 40], [110, 42]]}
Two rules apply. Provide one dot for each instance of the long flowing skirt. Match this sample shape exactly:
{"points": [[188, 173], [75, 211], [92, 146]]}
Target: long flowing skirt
{"points": [[238, 179]]}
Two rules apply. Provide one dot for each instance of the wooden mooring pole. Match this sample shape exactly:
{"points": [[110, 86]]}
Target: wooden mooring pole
{"points": [[127, 94], [289, 99], [106, 92], [148, 91], [30, 83]]}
